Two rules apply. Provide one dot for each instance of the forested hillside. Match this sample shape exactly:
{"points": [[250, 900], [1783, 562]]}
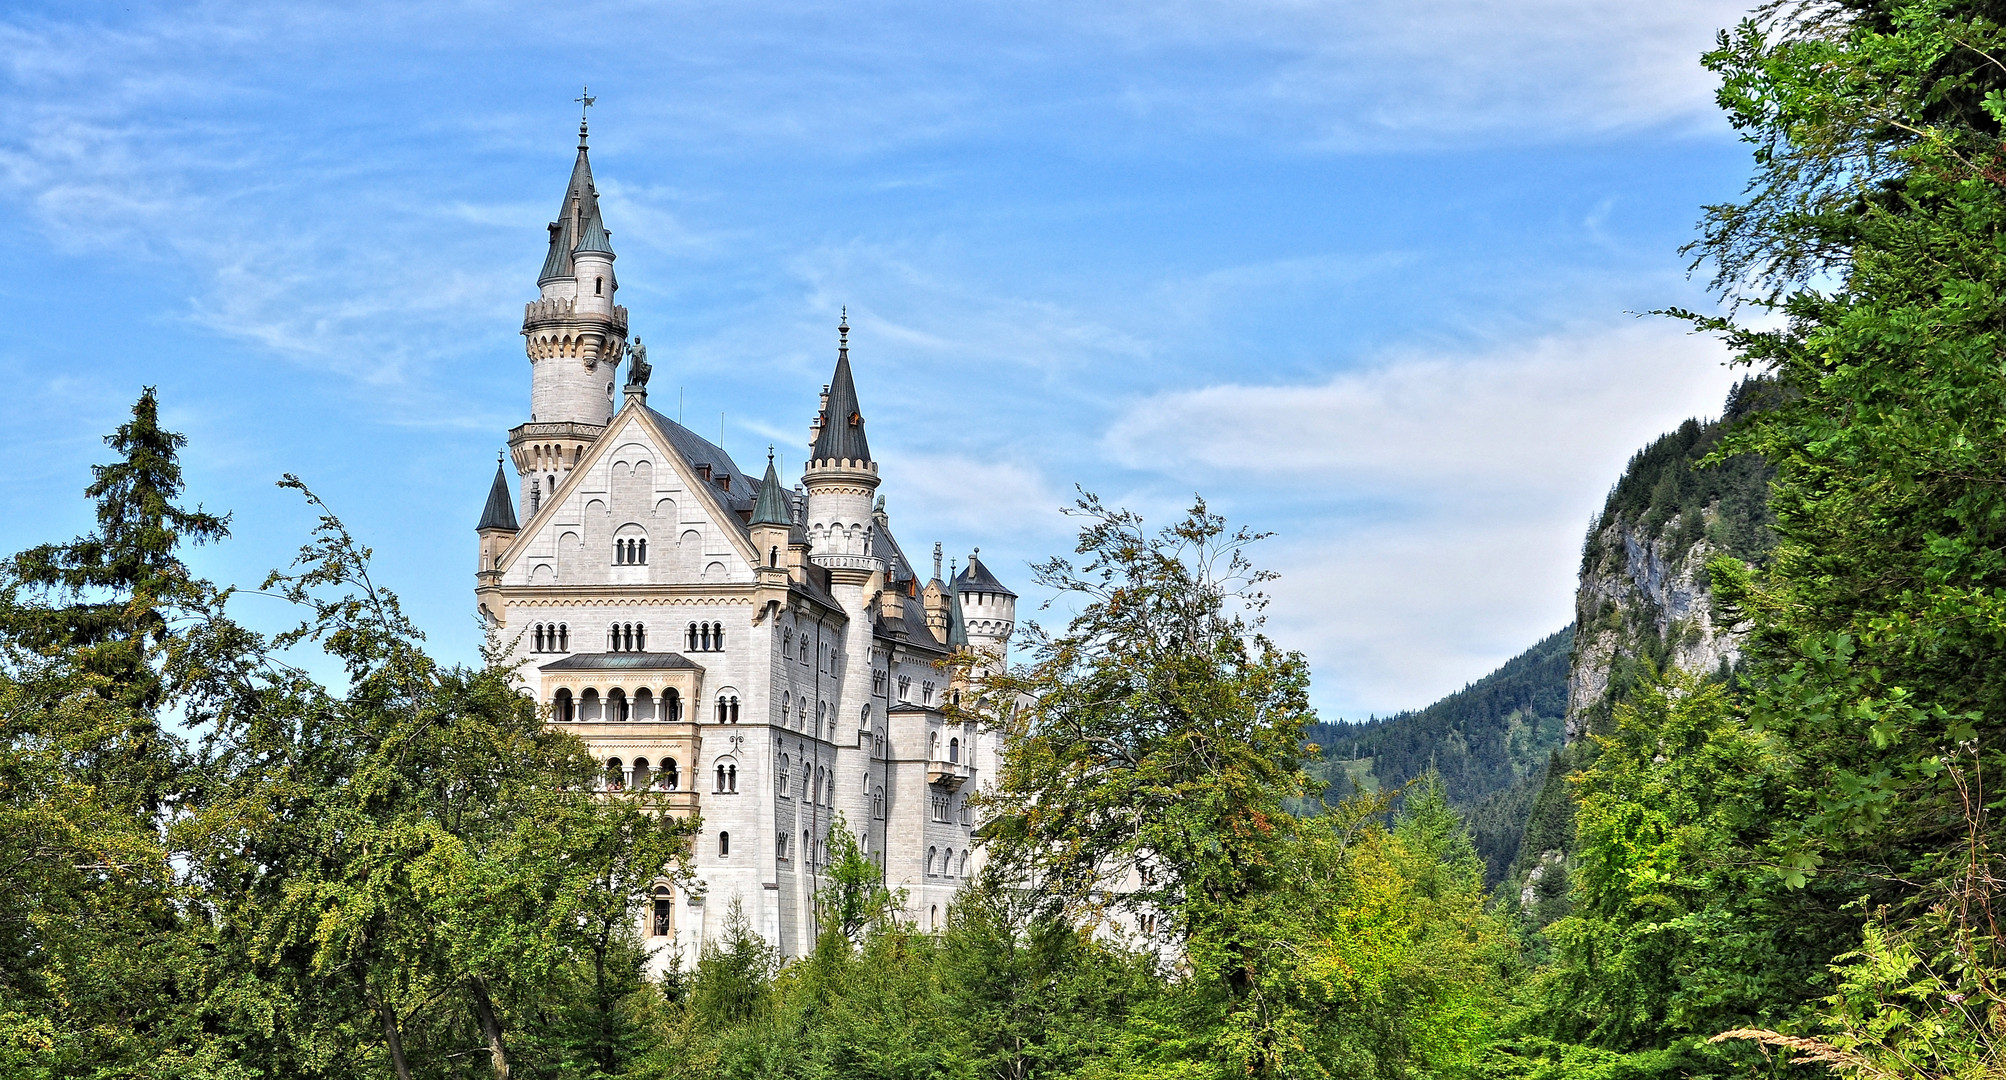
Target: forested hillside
{"points": [[1488, 742]]}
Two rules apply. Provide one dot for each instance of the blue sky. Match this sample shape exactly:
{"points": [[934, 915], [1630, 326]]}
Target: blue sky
{"points": [[1366, 275]]}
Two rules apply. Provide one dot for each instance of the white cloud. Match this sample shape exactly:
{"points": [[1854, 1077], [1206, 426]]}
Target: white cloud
{"points": [[1431, 507]]}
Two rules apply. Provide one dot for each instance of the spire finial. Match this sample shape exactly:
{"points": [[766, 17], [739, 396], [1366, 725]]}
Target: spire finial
{"points": [[585, 101], [936, 559], [843, 333], [769, 453], [499, 454]]}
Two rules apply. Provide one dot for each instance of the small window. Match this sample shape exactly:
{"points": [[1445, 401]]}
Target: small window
{"points": [[598, 286], [954, 751], [724, 845], [664, 913]]}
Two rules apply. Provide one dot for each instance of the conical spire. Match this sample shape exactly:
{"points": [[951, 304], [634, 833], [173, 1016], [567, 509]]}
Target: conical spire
{"points": [[577, 220], [957, 623], [841, 432], [977, 579], [500, 511], [772, 506]]}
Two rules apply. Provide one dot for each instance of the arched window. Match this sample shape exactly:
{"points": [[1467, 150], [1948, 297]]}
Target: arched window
{"points": [[561, 707], [720, 778], [692, 635], [734, 708], [598, 286], [641, 550], [619, 552], [644, 704], [538, 638], [947, 863], [665, 909], [640, 637], [672, 705], [616, 775], [724, 845], [933, 746], [780, 778], [720, 709], [563, 637], [703, 637], [717, 637], [641, 777], [613, 638], [962, 871], [931, 855], [772, 554], [616, 705], [588, 706], [954, 751], [731, 779]]}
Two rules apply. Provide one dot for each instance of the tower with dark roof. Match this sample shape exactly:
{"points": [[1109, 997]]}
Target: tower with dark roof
{"points": [[575, 336], [841, 477]]}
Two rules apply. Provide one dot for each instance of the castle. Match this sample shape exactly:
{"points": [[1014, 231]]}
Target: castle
{"points": [[766, 658]]}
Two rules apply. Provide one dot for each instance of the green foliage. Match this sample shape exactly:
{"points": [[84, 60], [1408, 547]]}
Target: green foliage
{"points": [[1487, 743]]}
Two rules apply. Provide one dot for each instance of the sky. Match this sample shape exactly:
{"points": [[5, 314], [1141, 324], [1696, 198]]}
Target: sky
{"points": [[1371, 276]]}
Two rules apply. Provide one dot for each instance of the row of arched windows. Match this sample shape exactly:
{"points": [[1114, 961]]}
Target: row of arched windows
{"points": [[589, 707], [705, 637], [615, 705], [945, 861], [550, 637], [632, 551], [627, 637], [665, 777]]}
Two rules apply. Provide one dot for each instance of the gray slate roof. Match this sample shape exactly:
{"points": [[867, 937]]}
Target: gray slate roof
{"points": [[977, 579], [500, 511], [842, 431], [772, 508], [567, 236], [698, 450], [622, 661]]}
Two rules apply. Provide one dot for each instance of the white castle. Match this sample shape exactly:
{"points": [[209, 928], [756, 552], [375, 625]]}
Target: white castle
{"points": [[768, 659]]}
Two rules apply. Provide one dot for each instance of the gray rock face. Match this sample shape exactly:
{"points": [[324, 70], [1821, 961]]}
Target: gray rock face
{"points": [[1651, 601]]}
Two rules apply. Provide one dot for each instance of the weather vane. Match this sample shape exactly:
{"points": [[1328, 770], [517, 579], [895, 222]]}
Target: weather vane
{"points": [[585, 100]]}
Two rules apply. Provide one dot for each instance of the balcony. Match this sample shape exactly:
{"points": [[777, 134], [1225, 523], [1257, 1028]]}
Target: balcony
{"points": [[947, 774]]}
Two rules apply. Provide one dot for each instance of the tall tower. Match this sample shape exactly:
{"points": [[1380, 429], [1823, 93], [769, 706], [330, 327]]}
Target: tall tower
{"points": [[840, 475], [575, 336]]}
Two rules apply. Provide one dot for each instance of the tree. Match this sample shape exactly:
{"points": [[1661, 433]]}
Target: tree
{"points": [[103, 963]]}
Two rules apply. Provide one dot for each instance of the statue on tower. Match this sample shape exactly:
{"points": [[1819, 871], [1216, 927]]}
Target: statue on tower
{"points": [[638, 368]]}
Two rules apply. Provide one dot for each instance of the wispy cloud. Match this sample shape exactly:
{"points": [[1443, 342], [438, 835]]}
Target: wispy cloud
{"points": [[1432, 505]]}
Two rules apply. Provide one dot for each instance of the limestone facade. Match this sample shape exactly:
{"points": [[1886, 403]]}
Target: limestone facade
{"points": [[766, 659]]}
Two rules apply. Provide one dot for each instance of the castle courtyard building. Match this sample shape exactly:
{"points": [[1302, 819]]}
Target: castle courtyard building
{"points": [[765, 658]]}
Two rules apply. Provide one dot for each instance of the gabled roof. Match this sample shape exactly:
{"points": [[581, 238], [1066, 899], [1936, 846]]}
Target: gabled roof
{"points": [[977, 579], [841, 432], [772, 508], [500, 511], [576, 217], [697, 450]]}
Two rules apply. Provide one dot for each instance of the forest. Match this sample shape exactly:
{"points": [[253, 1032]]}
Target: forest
{"points": [[216, 864]]}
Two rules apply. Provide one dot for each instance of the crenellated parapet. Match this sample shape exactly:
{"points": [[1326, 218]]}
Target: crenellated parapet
{"points": [[554, 328]]}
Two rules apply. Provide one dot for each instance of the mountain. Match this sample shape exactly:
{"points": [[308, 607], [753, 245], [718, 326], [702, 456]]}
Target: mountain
{"points": [[1643, 604], [1487, 740]]}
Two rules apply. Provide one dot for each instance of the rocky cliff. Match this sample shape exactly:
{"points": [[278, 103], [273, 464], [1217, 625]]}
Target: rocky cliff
{"points": [[1643, 600]]}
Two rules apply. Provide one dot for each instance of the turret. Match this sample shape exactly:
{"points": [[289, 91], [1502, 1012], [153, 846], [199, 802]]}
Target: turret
{"points": [[575, 336], [987, 611], [497, 531], [771, 525], [841, 477], [936, 601]]}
